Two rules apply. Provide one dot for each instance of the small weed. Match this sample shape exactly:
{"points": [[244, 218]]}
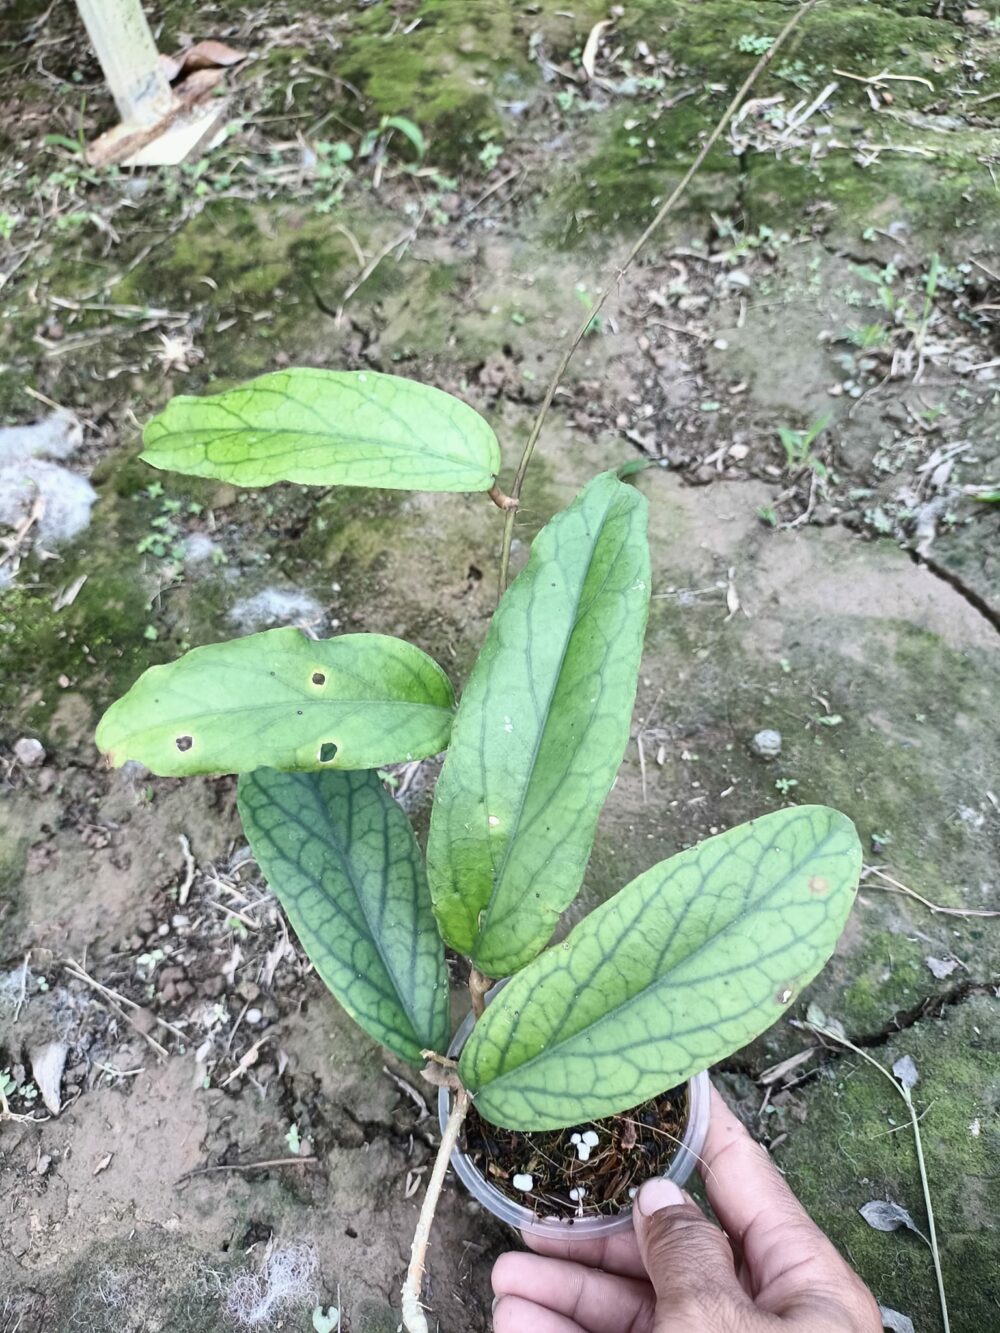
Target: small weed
{"points": [[867, 336], [165, 539], [490, 153], [798, 444], [754, 44], [798, 73], [596, 325], [785, 785]]}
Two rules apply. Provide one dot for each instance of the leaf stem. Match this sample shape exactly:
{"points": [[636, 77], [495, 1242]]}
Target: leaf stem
{"points": [[904, 1092], [413, 1312], [588, 319]]}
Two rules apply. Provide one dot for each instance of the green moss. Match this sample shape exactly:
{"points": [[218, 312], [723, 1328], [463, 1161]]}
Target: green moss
{"points": [[705, 37], [851, 1147], [636, 164], [438, 74]]}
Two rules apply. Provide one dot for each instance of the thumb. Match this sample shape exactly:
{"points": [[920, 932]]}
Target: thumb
{"points": [[688, 1259]]}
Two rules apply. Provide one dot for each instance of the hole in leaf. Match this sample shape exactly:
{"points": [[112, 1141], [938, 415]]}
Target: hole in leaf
{"points": [[327, 752], [184, 742], [318, 678]]}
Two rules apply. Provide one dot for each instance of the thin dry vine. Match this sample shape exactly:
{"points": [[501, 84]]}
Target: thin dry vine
{"points": [[666, 208]]}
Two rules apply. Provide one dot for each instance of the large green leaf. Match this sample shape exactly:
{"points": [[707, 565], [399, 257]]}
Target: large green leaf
{"points": [[684, 966], [540, 732], [281, 700], [341, 858], [327, 428]]}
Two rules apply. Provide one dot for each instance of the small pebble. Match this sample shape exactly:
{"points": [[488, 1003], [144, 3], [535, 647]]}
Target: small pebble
{"points": [[28, 752], [766, 744], [522, 1181]]}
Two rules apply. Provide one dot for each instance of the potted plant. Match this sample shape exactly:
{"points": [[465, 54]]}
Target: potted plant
{"points": [[593, 1052]]}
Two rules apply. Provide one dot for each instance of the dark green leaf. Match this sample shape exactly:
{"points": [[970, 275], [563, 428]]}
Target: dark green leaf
{"points": [[341, 858], [540, 732], [281, 700], [327, 428], [685, 965]]}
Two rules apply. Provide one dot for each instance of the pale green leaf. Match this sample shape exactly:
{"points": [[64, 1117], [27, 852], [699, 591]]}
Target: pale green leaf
{"points": [[341, 858], [281, 700], [684, 966], [327, 428], [540, 732]]}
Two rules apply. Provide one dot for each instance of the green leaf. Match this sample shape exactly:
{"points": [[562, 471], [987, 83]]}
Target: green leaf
{"points": [[341, 858], [412, 132], [327, 428], [540, 732], [684, 966], [282, 700]]}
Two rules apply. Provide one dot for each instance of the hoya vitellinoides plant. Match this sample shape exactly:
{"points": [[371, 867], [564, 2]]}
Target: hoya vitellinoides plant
{"points": [[675, 971]]}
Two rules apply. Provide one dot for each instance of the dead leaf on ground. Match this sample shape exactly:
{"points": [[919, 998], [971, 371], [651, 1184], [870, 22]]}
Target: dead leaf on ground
{"points": [[589, 57], [894, 1321], [884, 1215], [206, 55], [941, 967], [906, 1071]]}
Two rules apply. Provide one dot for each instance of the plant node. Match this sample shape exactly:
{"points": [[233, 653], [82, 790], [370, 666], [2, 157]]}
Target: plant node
{"points": [[502, 501], [479, 984], [440, 1072]]}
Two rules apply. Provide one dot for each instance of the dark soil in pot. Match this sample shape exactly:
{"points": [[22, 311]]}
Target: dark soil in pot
{"points": [[589, 1170]]}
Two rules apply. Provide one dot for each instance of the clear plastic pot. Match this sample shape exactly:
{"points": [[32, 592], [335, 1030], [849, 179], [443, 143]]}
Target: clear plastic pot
{"points": [[581, 1228]]}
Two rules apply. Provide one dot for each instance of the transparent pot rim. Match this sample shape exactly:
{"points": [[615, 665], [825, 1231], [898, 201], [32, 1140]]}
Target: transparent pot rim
{"points": [[582, 1228]]}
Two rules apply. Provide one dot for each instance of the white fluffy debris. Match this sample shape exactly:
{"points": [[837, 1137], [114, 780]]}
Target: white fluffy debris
{"points": [[286, 1282]]}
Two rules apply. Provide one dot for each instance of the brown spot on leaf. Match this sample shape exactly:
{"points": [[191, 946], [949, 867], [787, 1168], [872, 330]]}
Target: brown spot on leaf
{"points": [[783, 996], [818, 886], [184, 742], [318, 678], [327, 752]]}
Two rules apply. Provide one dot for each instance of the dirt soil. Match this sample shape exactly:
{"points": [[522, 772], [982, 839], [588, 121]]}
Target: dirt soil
{"points": [[808, 354]]}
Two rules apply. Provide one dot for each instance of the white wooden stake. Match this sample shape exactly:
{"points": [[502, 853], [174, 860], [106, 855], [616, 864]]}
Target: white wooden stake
{"points": [[125, 47]]}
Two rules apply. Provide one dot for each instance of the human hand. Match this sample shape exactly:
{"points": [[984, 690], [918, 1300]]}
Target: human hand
{"points": [[771, 1270]]}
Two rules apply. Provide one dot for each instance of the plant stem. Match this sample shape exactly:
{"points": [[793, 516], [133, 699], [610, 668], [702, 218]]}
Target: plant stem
{"points": [[904, 1092], [478, 986], [595, 310], [413, 1312]]}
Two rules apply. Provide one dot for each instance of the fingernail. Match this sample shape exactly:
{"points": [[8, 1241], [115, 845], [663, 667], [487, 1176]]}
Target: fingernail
{"points": [[657, 1194]]}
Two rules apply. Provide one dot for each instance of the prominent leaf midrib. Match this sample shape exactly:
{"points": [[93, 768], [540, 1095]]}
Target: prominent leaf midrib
{"points": [[327, 432], [312, 704], [498, 874], [372, 441], [375, 935], [554, 1046]]}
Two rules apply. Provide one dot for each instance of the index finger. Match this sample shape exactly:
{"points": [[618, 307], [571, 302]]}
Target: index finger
{"points": [[617, 1253], [758, 1210]]}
